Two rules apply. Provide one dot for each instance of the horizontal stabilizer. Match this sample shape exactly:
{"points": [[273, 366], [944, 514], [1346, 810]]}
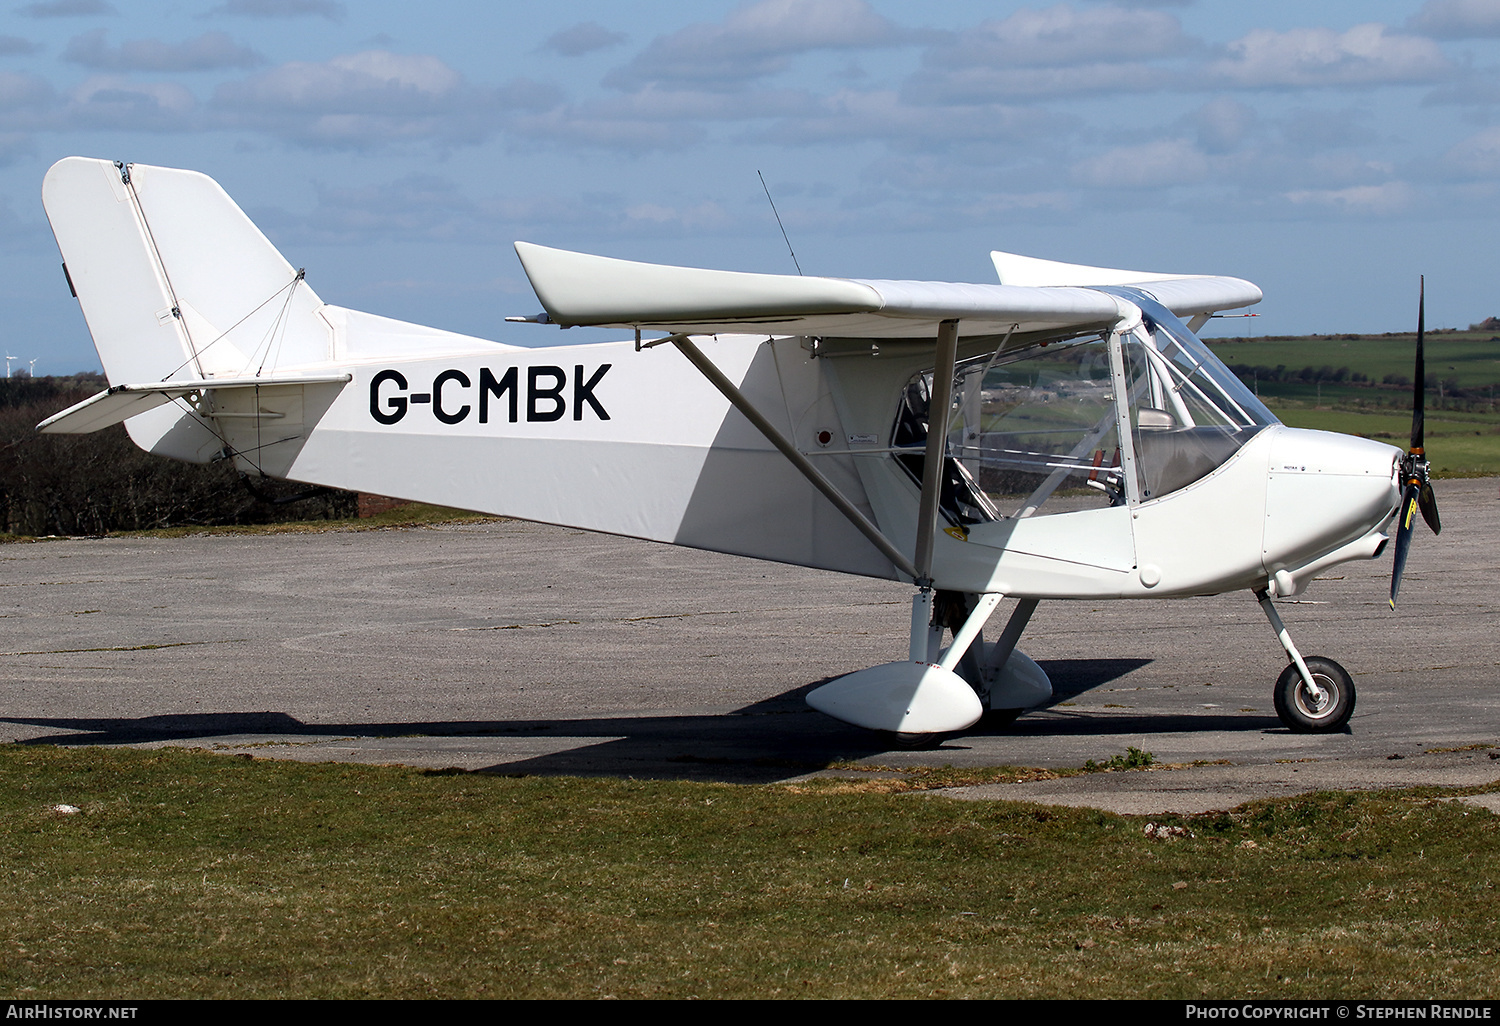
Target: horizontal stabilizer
{"points": [[122, 402], [1184, 294], [580, 289]]}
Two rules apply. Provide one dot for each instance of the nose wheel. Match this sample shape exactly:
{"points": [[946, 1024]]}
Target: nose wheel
{"points": [[1313, 695], [1321, 707]]}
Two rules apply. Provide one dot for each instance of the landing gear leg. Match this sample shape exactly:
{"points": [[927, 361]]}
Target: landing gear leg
{"points": [[988, 667], [1313, 695], [931, 613]]}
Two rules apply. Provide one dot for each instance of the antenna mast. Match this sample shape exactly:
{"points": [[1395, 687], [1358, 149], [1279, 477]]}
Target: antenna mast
{"points": [[778, 221]]}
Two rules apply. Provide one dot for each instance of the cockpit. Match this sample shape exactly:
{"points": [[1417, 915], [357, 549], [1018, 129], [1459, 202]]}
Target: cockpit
{"points": [[1061, 425]]}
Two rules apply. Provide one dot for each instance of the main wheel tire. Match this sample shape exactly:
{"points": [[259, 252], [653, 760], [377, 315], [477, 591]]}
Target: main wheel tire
{"points": [[996, 718], [1301, 712], [917, 742]]}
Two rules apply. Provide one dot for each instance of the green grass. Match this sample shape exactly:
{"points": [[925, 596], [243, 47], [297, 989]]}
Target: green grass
{"points": [[1462, 433], [193, 875], [1470, 359], [1458, 444]]}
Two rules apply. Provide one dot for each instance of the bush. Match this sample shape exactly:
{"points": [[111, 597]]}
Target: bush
{"points": [[92, 484]]}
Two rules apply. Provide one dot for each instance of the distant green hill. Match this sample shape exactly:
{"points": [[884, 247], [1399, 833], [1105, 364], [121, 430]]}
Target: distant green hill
{"points": [[1361, 385]]}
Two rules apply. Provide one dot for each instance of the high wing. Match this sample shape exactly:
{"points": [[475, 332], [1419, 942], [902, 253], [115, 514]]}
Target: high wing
{"points": [[1192, 297], [581, 289], [1035, 296]]}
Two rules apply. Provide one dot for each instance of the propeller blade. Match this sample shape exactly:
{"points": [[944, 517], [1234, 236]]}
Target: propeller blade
{"points": [[1427, 503], [1403, 539], [1417, 493], [1419, 386]]}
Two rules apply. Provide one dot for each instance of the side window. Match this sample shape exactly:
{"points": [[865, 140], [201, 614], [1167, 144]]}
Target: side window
{"points": [[961, 501], [1032, 432]]}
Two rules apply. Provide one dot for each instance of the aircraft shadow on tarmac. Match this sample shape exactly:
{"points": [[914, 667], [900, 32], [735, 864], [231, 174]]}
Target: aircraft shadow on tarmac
{"points": [[762, 742]]}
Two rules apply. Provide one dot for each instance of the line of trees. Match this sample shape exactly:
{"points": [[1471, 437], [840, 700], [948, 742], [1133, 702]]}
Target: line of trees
{"points": [[101, 482]]}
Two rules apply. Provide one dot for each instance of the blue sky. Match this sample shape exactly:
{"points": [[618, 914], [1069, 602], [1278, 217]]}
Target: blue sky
{"points": [[1329, 152]]}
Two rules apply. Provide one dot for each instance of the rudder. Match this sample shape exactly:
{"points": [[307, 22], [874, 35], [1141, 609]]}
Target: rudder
{"points": [[174, 280]]}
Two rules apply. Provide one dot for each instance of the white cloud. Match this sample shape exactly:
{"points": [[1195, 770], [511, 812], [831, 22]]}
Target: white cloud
{"points": [[754, 41], [1149, 165], [208, 51], [590, 127], [109, 101], [1221, 124], [373, 98], [659, 217], [1383, 200], [1058, 51], [329, 9], [882, 116], [585, 37], [418, 206], [1308, 129], [985, 84], [20, 93], [66, 9], [1364, 55], [657, 118], [428, 208], [1061, 37], [1457, 19], [1478, 156]]}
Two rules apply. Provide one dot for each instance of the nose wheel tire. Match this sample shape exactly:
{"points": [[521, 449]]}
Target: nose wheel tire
{"points": [[1320, 712]]}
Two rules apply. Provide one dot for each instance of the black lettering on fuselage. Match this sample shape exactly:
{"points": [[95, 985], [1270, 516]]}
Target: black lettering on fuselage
{"points": [[396, 404], [488, 386], [535, 395], [437, 396], [546, 394], [584, 393]]}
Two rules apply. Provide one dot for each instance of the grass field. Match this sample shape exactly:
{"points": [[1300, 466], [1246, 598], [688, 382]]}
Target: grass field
{"points": [[194, 875], [1468, 360], [1462, 429]]}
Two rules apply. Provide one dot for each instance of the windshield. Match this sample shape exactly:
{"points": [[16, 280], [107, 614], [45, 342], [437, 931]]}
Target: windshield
{"points": [[1189, 413]]}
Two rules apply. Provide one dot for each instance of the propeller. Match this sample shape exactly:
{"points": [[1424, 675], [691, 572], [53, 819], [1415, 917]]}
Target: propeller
{"points": [[1416, 493]]}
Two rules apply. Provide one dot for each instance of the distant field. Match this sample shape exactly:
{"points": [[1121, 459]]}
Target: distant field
{"points": [[1463, 371], [1470, 360]]}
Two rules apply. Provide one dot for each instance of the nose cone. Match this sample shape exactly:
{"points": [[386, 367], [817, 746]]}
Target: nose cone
{"points": [[1324, 491]]}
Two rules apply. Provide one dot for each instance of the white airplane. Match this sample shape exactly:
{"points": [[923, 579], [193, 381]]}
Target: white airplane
{"points": [[1090, 445]]}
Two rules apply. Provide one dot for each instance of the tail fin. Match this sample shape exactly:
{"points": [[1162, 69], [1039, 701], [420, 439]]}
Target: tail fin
{"points": [[175, 281]]}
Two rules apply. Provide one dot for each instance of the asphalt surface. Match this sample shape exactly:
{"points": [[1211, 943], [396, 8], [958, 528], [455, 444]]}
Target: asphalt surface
{"points": [[518, 648]]}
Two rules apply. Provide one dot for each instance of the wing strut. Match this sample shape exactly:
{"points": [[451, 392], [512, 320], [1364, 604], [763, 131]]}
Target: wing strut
{"points": [[938, 411], [738, 400]]}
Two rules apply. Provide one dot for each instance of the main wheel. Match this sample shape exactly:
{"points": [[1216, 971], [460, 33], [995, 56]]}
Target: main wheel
{"points": [[996, 718], [917, 742], [1307, 713]]}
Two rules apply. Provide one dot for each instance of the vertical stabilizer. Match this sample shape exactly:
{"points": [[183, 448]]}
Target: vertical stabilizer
{"points": [[174, 280]]}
